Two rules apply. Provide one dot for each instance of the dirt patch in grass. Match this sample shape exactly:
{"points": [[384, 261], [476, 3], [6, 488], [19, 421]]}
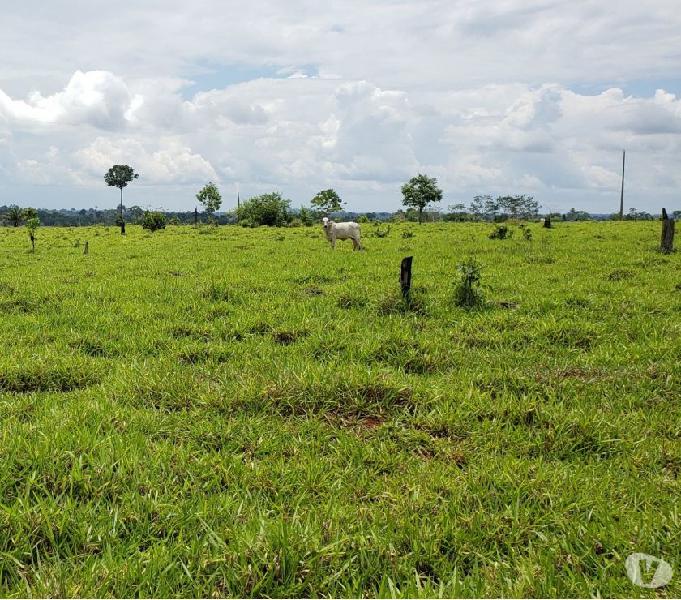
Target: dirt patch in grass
{"points": [[620, 275], [173, 393], [503, 385], [337, 398], [540, 260], [219, 311], [328, 350], [18, 306], [313, 279], [260, 329], [577, 302], [190, 331], [6, 288], [575, 441], [24, 304], [395, 304], [287, 337], [360, 424], [347, 302], [43, 378], [481, 340], [579, 337], [409, 356], [314, 290], [199, 355], [582, 374], [93, 347], [219, 292]]}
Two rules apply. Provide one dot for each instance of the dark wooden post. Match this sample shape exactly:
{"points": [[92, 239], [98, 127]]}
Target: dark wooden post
{"points": [[547, 222], [122, 227], [667, 239], [196, 216], [86, 249], [405, 276]]}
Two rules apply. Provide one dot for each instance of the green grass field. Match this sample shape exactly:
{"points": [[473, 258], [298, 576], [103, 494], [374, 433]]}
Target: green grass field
{"points": [[233, 412]]}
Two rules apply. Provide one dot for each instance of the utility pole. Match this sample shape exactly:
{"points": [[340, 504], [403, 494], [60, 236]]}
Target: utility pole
{"points": [[622, 190]]}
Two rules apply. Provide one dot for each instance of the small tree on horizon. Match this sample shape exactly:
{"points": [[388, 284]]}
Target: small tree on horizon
{"points": [[14, 215], [419, 192], [518, 207], [327, 201], [209, 196], [267, 209], [120, 176], [32, 224]]}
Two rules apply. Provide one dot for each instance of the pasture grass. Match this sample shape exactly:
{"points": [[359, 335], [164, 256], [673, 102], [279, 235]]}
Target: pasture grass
{"points": [[230, 412]]}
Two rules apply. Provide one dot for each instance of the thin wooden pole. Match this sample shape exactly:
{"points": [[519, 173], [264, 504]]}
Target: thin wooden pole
{"points": [[622, 189]]}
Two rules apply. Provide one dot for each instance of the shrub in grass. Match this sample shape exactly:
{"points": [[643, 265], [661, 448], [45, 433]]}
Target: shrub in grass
{"points": [[153, 220], [501, 232], [381, 233], [467, 289]]}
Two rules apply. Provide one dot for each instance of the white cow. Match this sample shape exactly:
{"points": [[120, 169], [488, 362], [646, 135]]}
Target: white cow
{"points": [[342, 231]]}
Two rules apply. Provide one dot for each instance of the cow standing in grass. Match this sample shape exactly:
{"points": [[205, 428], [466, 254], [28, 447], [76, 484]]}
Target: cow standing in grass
{"points": [[342, 231]]}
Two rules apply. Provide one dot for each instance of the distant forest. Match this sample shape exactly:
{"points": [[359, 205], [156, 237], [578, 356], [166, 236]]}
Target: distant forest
{"points": [[134, 215]]}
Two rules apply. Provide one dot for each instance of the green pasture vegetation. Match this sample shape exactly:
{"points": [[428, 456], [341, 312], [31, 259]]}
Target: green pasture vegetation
{"points": [[245, 412]]}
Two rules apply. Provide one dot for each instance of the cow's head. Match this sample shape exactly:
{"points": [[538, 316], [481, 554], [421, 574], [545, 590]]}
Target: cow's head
{"points": [[325, 220]]}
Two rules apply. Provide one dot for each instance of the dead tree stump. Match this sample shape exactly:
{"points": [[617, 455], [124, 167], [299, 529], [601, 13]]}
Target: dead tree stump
{"points": [[405, 276], [667, 238]]}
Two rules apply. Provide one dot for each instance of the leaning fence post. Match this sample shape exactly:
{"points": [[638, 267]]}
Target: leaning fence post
{"points": [[405, 276], [667, 239]]}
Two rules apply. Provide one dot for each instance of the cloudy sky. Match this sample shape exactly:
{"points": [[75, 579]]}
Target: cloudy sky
{"points": [[490, 96]]}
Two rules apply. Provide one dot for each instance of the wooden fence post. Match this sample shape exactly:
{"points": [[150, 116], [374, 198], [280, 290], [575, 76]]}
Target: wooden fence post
{"points": [[86, 249], [667, 239], [405, 276], [547, 222]]}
